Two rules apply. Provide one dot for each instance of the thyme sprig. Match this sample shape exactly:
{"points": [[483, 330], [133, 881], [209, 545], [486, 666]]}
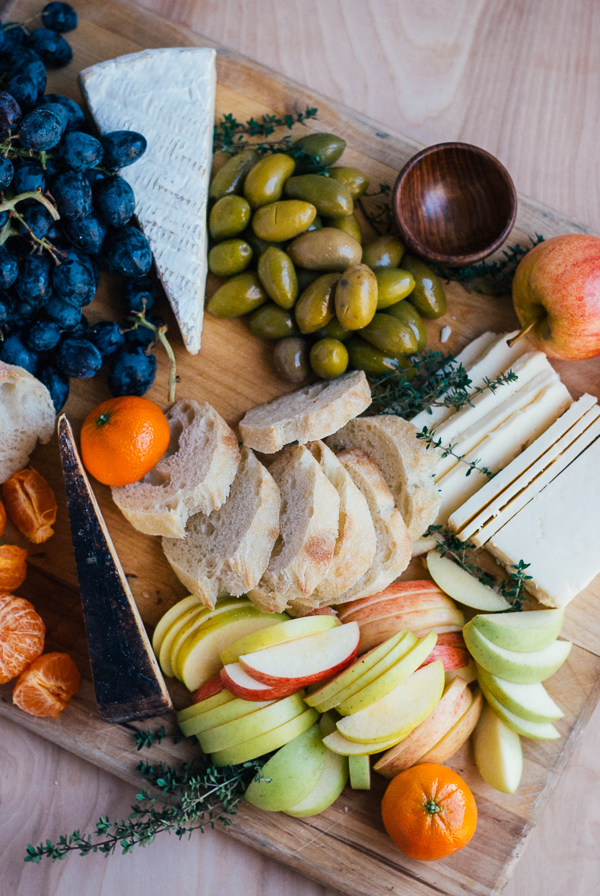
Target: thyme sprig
{"points": [[448, 451], [497, 274], [232, 136]]}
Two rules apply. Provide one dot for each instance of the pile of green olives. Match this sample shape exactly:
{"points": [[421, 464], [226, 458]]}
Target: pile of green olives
{"points": [[285, 237]]}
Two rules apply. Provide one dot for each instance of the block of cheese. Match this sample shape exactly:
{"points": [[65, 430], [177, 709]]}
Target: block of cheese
{"points": [[558, 533], [501, 446], [168, 95]]}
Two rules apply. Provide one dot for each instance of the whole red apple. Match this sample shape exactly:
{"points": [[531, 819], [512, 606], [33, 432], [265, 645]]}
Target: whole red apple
{"points": [[556, 294]]}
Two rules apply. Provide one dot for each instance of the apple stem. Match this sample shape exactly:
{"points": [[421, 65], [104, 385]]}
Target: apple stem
{"points": [[523, 331]]}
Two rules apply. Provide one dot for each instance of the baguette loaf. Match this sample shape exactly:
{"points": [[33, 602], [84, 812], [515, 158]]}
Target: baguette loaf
{"points": [[228, 551], [194, 475], [26, 415], [311, 413], [308, 527], [407, 466], [393, 541]]}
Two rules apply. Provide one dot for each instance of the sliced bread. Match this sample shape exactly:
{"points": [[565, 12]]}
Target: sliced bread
{"points": [[311, 413], [194, 475], [26, 415], [308, 527], [393, 541], [407, 466], [228, 551]]}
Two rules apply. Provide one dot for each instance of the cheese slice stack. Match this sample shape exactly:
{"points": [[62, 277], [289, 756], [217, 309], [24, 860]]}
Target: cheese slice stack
{"points": [[168, 95]]}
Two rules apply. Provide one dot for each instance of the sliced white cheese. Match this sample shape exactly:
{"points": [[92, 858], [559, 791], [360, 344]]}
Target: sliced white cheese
{"points": [[558, 533], [501, 446], [168, 95], [546, 469]]}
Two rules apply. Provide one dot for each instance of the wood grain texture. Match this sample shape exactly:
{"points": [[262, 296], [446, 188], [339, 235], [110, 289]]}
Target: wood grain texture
{"points": [[471, 71]]}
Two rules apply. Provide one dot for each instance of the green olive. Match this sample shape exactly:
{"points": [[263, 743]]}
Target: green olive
{"points": [[384, 252], [428, 296], [388, 334], [364, 356], [328, 249], [257, 245], [328, 358], [348, 223], [264, 183], [278, 276], [352, 178], [272, 322], [334, 330], [317, 224], [328, 196], [408, 314], [230, 178], [319, 149], [283, 220], [228, 217], [393, 285], [229, 258], [238, 296], [356, 297], [305, 278], [316, 305], [290, 357]]}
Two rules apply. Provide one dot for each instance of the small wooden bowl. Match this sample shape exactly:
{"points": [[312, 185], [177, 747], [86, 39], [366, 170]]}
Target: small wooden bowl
{"points": [[454, 203]]}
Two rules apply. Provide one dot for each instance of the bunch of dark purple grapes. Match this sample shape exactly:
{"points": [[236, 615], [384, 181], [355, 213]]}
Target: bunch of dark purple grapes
{"points": [[65, 214]]}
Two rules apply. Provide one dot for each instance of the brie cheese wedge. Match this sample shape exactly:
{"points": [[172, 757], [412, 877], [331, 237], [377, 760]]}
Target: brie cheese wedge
{"points": [[168, 95]]}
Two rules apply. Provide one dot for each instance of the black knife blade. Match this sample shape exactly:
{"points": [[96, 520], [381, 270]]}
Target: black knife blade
{"points": [[127, 680]]}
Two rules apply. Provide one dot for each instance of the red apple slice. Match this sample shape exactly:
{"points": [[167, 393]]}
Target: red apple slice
{"points": [[457, 735], [323, 611], [305, 660], [408, 595], [451, 639], [451, 657], [238, 682], [378, 630], [211, 687]]}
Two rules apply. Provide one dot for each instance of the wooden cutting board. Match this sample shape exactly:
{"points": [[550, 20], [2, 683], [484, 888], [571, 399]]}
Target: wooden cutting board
{"points": [[345, 847]]}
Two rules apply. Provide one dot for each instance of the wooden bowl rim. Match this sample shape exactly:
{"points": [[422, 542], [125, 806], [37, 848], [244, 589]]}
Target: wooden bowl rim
{"points": [[419, 247]]}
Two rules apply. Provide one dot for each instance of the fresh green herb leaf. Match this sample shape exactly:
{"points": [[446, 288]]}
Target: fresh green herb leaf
{"points": [[448, 450], [232, 136]]}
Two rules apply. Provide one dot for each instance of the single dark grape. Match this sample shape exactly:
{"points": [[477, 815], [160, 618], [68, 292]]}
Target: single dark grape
{"points": [[122, 148], [10, 112], [3, 219], [6, 308], [75, 116], [36, 219], [29, 176], [61, 113], [30, 65], [13, 36], [60, 17], [51, 47], [7, 171], [54, 168], [41, 129], [94, 176], [13, 59], [74, 278], [43, 336], [132, 371], [143, 336], [56, 383], [14, 351], [107, 337], [86, 233], [78, 357], [24, 90], [23, 313], [128, 252], [67, 316], [73, 194], [139, 294], [33, 283], [114, 200], [81, 328], [9, 268], [80, 151]]}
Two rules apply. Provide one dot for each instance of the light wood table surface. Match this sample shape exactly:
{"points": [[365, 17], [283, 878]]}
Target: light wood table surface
{"points": [[517, 77]]}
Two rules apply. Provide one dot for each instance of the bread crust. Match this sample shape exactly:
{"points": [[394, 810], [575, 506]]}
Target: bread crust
{"points": [[26, 415]]}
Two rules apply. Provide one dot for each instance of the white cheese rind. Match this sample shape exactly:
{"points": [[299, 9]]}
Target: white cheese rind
{"points": [[168, 95]]}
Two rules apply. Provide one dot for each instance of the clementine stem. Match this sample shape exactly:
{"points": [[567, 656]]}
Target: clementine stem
{"points": [[523, 331]]}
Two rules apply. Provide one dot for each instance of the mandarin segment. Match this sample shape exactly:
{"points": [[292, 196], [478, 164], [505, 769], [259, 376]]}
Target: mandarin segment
{"points": [[22, 634], [2, 519], [31, 504], [47, 685], [13, 566]]}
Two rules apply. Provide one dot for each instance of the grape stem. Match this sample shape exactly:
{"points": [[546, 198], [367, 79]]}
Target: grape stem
{"points": [[54, 252], [139, 320], [9, 204]]}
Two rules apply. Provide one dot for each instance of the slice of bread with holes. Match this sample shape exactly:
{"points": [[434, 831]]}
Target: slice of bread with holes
{"points": [[26, 415], [308, 528], [228, 551], [195, 474]]}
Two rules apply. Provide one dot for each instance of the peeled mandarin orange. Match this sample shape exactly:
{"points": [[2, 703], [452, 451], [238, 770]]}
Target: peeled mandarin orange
{"points": [[22, 634], [123, 439], [429, 812], [47, 685]]}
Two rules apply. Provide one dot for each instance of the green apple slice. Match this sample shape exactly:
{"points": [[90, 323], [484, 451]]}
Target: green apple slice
{"points": [[198, 709], [498, 752], [351, 679], [174, 644], [533, 730], [219, 715], [359, 768], [327, 789], [337, 743], [266, 743], [521, 668], [294, 772], [462, 586], [396, 714], [194, 616], [399, 672], [278, 634], [250, 725], [528, 701], [200, 655], [522, 632], [168, 618]]}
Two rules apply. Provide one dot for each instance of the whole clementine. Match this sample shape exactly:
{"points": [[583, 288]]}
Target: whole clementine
{"points": [[429, 812], [123, 439]]}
